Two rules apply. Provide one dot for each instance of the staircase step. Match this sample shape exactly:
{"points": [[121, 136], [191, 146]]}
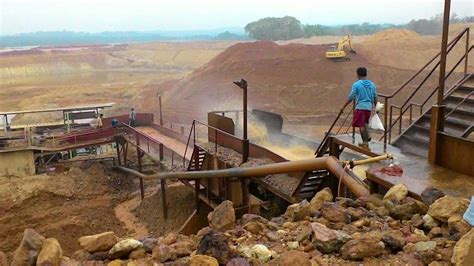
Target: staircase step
{"points": [[418, 133], [413, 145], [451, 126]]}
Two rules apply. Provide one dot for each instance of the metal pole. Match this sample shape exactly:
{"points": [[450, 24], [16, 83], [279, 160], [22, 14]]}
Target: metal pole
{"points": [[467, 51], [161, 113], [386, 126], [444, 45], [245, 154]]}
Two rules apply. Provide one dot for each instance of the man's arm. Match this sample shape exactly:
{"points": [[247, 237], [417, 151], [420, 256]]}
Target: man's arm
{"points": [[351, 97]]}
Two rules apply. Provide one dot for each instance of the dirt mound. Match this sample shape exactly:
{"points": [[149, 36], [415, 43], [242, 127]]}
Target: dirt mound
{"points": [[293, 78], [393, 34]]}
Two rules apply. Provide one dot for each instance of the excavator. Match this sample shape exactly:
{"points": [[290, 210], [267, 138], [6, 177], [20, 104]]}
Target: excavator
{"points": [[337, 53]]}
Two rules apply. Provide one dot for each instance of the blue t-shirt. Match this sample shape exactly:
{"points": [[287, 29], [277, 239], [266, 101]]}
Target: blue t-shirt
{"points": [[364, 93]]}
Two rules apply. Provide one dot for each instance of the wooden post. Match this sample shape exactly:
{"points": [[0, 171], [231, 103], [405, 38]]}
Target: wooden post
{"points": [[161, 152], [163, 198], [118, 152], [437, 122]]}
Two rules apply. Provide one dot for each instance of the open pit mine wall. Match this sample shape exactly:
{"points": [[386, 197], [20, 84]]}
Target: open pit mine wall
{"points": [[17, 163]]}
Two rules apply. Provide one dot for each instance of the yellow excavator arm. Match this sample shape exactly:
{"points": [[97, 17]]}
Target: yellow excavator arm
{"points": [[347, 39]]}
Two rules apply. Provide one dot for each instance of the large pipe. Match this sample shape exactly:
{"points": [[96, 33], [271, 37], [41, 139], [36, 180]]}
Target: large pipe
{"points": [[330, 163]]}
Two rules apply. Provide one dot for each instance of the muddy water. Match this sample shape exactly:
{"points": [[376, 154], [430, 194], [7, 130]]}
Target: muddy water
{"points": [[260, 136]]}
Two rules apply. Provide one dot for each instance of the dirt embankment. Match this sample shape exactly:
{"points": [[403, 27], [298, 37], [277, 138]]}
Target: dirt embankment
{"points": [[66, 204]]}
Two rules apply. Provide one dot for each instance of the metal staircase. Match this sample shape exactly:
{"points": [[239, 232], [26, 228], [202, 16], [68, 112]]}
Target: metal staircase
{"points": [[459, 120], [197, 159]]}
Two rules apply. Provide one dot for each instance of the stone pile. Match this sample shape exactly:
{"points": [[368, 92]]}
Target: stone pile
{"points": [[394, 229]]}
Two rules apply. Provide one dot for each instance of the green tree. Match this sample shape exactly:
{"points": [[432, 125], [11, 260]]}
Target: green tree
{"points": [[274, 29]]}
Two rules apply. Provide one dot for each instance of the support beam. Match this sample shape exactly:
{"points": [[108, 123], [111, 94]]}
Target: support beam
{"points": [[437, 123]]}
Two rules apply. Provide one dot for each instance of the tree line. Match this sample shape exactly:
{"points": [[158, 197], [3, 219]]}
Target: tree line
{"points": [[287, 28]]}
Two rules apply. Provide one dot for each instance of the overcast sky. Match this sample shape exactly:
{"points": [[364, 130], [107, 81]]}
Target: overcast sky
{"points": [[18, 16]]}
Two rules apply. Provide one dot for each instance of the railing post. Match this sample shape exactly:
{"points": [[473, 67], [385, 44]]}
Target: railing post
{"points": [[466, 60], [161, 151], [401, 119], [163, 197], [386, 126], [353, 128], [411, 113], [215, 140]]}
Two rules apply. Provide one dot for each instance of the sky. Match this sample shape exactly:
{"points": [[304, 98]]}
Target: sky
{"points": [[20, 16]]}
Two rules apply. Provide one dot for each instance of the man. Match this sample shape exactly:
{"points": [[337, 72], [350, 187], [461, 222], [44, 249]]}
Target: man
{"points": [[99, 121], [364, 93], [132, 117]]}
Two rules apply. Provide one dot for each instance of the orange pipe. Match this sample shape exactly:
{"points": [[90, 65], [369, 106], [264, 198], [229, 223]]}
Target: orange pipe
{"points": [[330, 163]]}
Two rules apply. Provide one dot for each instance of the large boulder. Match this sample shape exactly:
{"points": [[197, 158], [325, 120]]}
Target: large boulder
{"points": [[216, 245], [448, 206], [396, 193], [363, 247], [463, 253], [327, 240], [458, 227], [291, 258], [322, 196], [98, 242], [203, 260], [298, 211], [50, 254], [335, 213], [223, 216], [124, 247], [27, 251], [430, 195]]}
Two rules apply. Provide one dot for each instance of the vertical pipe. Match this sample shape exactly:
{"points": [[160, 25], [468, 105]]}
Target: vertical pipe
{"points": [[411, 112], [215, 141], [245, 152], [390, 123], [444, 45], [467, 51]]}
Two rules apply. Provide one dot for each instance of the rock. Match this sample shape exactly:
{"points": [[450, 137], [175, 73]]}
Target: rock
{"points": [[81, 255], [182, 248], [448, 206], [335, 213], [361, 222], [149, 243], [457, 225], [115, 263], [65, 261], [255, 228], [98, 242], [252, 218], [170, 239], [298, 211], [137, 254], [290, 225], [382, 211], [272, 235], [435, 232], [99, 256], [124, 247], [463, 253], [394, 240], [163, 253], [306, 232], [203, 231], [215, 244], [425, 246], [50, 254], [371, 202], [357, 213], [29, 247], [238, 262], [429, 222], [430, 195], [292, 244], [3, 259], [261, 253], [405, 211], [364, 247], [327, 240], [396, 193], [322, 196], [203, 260], [223, 216], [417, 236], [291, 258]]}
